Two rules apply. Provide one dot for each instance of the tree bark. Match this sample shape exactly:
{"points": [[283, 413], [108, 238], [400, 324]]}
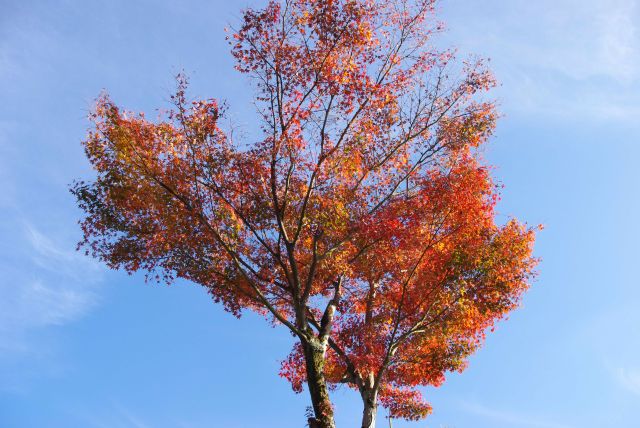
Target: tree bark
{"points": [[370, 402], [314, 353]]}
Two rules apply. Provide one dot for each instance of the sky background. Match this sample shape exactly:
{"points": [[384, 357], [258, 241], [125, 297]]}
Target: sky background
{"points": [[81, 346]]}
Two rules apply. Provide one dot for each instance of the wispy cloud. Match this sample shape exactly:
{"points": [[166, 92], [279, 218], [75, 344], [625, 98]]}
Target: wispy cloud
{"points": [[513, 419], [114, 415], [629, 378], [606, 336], [43, 284], [582, 39], [60, 260], [568, 58], [618, 46], [129, 419]]}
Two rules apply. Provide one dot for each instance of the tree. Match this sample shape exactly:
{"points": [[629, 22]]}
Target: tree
{"points": [[363, 221]]}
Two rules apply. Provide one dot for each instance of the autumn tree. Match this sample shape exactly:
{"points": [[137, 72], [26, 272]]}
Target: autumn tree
{"points": [[363, 220]]}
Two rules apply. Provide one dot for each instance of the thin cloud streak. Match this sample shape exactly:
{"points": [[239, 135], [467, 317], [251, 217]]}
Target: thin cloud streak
{"points": [[629, 378], [44, 284], [115, 415], [572, 59]]}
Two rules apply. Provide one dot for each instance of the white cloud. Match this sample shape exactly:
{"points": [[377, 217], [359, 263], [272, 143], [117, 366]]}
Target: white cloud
{"points": [[515, 420], [618, 39], [584, 39], [43, 284], [629, 378], [51, 257], [132, 420], [567, 58], [114, 415], [607, 338]]}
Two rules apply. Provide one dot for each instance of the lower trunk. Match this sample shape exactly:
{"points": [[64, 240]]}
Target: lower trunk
{"points": [[314, 354], [370, 403]]}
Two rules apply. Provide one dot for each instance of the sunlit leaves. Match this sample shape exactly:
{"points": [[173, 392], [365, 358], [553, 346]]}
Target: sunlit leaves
{"points": [[363, 219]]}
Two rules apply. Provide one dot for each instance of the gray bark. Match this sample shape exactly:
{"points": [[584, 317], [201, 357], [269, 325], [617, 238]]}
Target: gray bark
{"points": [[369, 394], [370, 401]]}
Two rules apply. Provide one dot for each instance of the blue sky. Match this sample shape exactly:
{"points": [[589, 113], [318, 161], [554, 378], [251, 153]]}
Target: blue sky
{"points": [[81, 346]]}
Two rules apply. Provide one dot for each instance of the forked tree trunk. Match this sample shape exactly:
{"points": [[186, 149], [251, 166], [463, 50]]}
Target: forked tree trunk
{"points": [[314, 354]]}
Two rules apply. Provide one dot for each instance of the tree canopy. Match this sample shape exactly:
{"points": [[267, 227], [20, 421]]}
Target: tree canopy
{"points": [[364, 218]]}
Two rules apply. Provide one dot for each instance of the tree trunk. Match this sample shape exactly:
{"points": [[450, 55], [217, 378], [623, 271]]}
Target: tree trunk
{"points": [[314, 353], [370, 403]]}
